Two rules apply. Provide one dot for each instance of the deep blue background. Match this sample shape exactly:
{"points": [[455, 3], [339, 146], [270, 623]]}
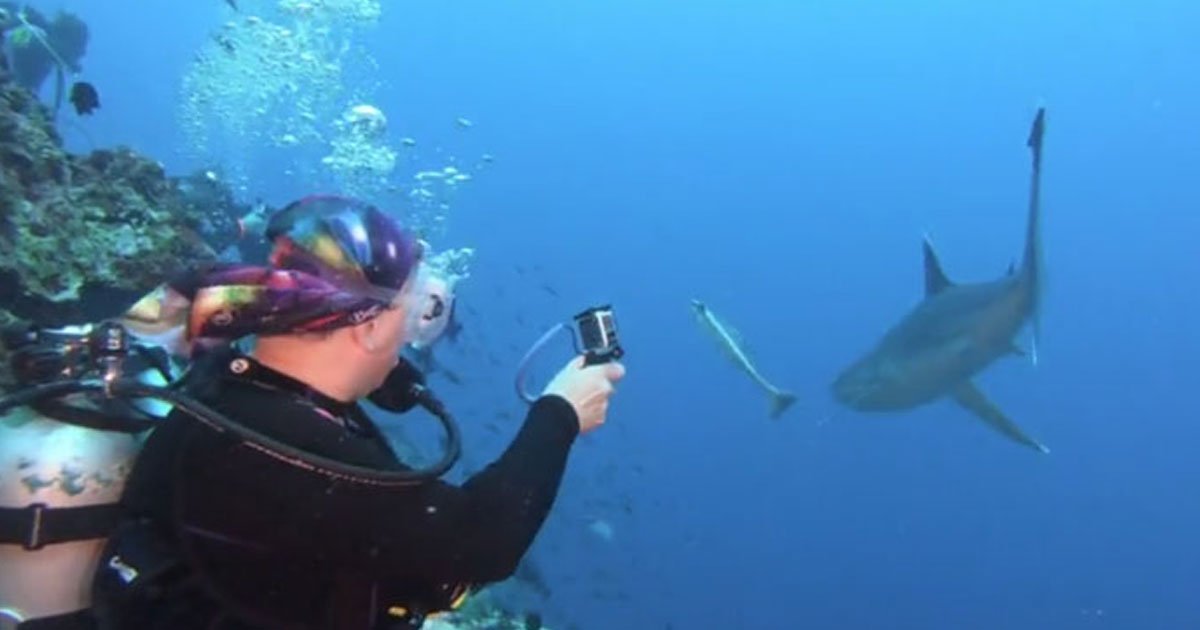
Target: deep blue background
{"points": [[781, 160]]}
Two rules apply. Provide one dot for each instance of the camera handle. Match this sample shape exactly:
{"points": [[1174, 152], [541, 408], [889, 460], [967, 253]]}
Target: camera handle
{"points": [[595, 339]]}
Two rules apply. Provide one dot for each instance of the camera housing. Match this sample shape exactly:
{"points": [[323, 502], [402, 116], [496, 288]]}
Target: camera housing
{"points": [[597, 332]]}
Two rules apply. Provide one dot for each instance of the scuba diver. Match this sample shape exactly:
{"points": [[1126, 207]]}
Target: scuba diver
{"points": [[268, 498]]}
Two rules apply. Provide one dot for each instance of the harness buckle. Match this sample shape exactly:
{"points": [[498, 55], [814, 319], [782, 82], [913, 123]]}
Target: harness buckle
{"points": [[33, 539]]}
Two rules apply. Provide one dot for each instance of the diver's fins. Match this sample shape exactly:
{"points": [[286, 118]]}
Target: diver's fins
{"points": [[974, 401]]}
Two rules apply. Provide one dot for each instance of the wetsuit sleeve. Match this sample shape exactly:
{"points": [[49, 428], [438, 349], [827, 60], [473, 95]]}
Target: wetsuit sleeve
{"points": [[412, 537], [479, 531], [501, 508]]}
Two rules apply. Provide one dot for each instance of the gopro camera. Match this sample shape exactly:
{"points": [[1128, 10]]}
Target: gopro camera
{"points": [[598, 334]]}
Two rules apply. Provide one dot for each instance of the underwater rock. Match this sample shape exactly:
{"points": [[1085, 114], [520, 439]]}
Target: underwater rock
{"points": [[82, 236]]}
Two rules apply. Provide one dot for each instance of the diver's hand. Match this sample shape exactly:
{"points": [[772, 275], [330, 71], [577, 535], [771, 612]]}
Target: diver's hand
{"points": [[587, 389]]}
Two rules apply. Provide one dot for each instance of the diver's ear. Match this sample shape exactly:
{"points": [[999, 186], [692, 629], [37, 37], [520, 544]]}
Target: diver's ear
{"points": [[366, 334]]}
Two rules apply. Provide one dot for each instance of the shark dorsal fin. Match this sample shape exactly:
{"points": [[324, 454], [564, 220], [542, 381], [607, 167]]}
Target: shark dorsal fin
{"points": [[935, 279]]}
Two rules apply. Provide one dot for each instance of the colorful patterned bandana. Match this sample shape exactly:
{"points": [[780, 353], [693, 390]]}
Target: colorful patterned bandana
{"points": [[337, 262]]}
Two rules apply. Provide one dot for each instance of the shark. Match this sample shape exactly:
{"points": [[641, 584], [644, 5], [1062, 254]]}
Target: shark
{"points": [[731, 344], [956, 331]]}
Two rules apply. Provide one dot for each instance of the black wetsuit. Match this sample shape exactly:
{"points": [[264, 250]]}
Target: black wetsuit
{"points": [[282, 547]]}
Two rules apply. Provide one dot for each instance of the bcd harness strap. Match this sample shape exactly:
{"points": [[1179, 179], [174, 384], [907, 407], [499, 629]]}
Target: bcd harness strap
{"points": [[37, 525], [78, 620]]}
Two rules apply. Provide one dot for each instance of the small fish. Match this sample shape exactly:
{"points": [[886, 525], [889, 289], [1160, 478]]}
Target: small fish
{"points": [[233, 4], [602, 529], [730, 343], [84, 98]]}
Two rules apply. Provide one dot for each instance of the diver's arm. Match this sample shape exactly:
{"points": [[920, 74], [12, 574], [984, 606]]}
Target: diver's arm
{"points": [[475, 533], [510, 499]]}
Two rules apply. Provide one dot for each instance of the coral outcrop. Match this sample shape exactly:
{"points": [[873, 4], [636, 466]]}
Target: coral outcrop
{"points": [[82, 235]]}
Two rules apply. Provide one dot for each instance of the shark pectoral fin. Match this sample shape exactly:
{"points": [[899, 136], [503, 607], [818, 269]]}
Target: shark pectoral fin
{"points": [[974, 401]]}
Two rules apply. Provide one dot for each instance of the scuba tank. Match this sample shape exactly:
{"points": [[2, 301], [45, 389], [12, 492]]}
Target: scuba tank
{"points": [[62, 470]]}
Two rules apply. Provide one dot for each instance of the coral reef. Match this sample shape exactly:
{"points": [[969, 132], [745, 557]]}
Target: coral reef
{"points": [[482, 612], [82, 235]]}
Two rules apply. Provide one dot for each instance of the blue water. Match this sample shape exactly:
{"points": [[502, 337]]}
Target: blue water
{"points": [[781, 161]]}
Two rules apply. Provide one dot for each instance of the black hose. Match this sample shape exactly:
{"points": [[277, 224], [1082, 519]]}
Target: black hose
{"points": [[29, 395], [131, 388]]}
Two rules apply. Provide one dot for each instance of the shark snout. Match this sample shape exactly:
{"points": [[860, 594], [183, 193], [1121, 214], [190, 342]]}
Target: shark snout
{"points": [[851, 388], [861, 387]]}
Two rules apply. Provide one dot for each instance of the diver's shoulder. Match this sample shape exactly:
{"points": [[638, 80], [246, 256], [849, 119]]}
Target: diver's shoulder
{"points": [[224, 378]]}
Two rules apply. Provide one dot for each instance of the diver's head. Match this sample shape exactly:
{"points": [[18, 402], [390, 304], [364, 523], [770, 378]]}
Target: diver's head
{"points": [[366, 276]]}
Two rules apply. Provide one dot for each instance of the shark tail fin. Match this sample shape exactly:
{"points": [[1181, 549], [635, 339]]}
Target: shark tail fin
{"points": [[780, 401], [1031, 263]]}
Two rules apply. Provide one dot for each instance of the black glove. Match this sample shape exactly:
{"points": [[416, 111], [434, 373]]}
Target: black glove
{"points": [[401, 390]]}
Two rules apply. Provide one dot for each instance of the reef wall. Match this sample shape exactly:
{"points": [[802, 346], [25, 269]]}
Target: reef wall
{"points": [[83, 235]]}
